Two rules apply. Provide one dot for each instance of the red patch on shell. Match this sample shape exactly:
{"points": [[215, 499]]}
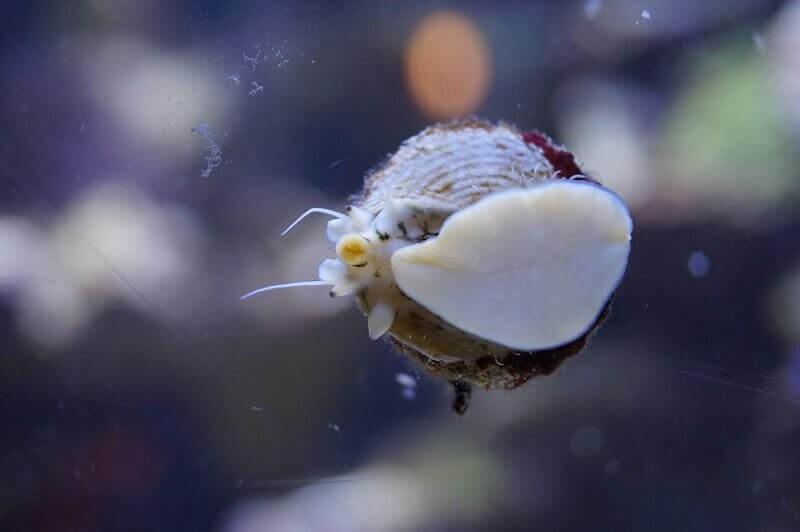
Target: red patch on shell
{"points": [[562, 160]]}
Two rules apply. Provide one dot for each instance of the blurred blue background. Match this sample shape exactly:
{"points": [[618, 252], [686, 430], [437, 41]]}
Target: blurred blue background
{"points": [[153, 151]]}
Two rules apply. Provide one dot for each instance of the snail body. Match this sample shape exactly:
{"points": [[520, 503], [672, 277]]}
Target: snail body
{"points": [[480, 251]]}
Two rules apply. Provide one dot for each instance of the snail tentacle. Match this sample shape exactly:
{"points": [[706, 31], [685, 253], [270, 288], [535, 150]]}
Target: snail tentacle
{"points": [[313, 210], [286, 285]]}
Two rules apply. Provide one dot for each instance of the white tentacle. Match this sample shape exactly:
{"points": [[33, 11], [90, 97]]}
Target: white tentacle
{"points": [[287, 285], [313, 210]]}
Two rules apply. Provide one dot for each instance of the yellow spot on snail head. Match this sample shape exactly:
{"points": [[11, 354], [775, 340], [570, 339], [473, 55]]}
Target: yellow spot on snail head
{"points": [[352, 249]]}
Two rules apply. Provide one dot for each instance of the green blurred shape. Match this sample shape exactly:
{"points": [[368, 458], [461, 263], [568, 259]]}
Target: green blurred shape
{"points": [[725, 142]]}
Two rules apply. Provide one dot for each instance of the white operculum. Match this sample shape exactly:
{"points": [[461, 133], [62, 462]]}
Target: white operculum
{"points": [[529, 269]]}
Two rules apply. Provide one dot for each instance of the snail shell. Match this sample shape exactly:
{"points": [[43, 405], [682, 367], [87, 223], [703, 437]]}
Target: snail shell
{"points": [[482, 252], [452, 166]]}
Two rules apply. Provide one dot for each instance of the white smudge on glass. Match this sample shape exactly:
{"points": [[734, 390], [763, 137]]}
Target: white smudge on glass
{"points": [[213, 156]]}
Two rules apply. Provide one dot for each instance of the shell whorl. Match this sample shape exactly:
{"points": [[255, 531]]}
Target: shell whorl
{"points": [[450, 166]]}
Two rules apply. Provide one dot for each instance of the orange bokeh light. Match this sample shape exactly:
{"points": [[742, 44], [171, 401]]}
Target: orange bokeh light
{"points": [[447, 65]]}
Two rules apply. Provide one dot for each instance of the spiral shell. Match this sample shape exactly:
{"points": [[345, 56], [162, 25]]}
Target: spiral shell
{"points": [[454, 165], [482, 252]]}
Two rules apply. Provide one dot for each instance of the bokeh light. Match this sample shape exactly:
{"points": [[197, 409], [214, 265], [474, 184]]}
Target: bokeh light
{"points": [[781, 52], [111, 244], [448, 66], [604, 123], [157, 94], [724, 147]]}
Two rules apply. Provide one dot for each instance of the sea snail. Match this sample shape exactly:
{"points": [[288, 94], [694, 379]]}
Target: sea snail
{"points": [[482, 252]]}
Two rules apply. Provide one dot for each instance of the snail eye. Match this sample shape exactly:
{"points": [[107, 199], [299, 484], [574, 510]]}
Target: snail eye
{"points": [[352, 249]]}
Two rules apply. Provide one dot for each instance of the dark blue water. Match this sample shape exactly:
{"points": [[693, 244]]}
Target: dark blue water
{"points": [[138, 393]]}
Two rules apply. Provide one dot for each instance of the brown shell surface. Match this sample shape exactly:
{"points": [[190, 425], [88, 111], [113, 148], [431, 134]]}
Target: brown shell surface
{"points": [[499, 367], [449, 167]]}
